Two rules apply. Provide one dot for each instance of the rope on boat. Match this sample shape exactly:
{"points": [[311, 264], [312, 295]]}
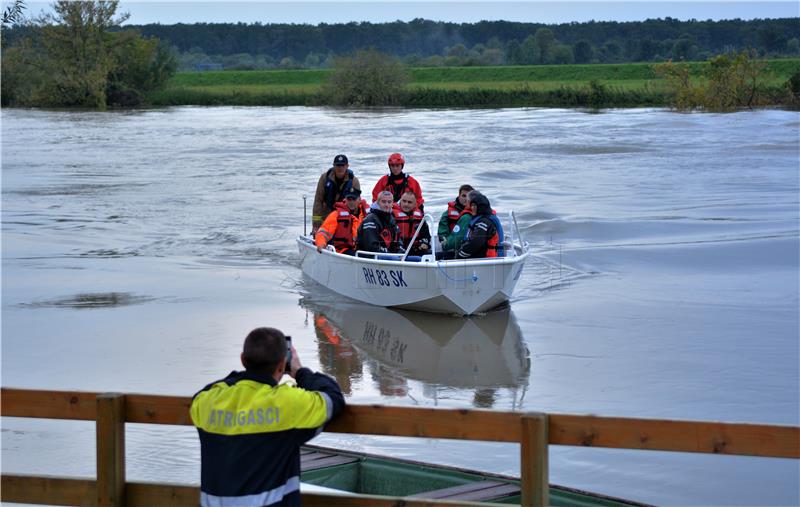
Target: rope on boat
{"points": [[474, 276]]}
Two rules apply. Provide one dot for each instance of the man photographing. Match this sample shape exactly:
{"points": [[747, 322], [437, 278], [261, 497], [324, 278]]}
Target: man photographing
{"points": [[251, 428]]}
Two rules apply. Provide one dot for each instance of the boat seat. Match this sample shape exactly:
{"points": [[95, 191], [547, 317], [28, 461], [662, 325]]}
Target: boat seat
{"points": [[313, 460], [480, 491]]}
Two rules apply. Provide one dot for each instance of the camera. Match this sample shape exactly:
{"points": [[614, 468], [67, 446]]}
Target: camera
{"points": [[288, 354]]}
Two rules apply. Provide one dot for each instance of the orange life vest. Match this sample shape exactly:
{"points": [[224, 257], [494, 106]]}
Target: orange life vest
{"points": [[343, 237], [491, 245]]}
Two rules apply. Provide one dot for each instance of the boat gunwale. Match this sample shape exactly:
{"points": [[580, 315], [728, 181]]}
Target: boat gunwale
{"points": [[483, 474], [479, 262]]}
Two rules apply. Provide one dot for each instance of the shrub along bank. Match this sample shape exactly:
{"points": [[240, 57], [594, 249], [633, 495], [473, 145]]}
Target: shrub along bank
{"points": [[622, 85]]}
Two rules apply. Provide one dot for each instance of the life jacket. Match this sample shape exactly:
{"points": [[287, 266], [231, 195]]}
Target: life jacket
{"points": [[397, 189], [343, 238], [331, 188], [407, 222], [494, 246], [453, 214]]}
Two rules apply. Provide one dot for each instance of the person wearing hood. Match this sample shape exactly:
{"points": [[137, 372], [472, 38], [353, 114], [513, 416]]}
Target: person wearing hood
{"points": [[397, 182], [485, 234], [378, 231]]}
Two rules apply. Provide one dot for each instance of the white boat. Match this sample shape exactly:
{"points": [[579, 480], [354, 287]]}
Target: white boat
{"points": [[462, 287]]}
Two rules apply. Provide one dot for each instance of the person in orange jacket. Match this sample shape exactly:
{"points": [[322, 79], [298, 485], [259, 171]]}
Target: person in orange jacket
{"points": [[340, 226], [397, 182]]}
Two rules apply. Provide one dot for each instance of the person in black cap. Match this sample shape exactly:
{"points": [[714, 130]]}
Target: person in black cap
{"points": [[331, 188], [340, 227], [485, 234]]}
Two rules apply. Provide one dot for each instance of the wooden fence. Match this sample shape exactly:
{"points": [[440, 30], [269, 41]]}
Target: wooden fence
{"points": [[534, 431]]}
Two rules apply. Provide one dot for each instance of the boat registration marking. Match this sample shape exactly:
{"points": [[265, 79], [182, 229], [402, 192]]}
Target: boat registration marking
{"points": [[384, 278]]}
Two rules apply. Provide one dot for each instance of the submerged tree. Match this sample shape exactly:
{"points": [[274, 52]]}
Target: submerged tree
{"points": [[370, 78], [732, 81], [685, 95]]}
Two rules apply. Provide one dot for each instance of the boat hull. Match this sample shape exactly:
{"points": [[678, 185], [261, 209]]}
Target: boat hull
{"points": [[368, 474], [462, 287]]}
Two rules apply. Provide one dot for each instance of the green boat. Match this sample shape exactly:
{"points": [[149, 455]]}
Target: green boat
{"points": [[367, 474]]}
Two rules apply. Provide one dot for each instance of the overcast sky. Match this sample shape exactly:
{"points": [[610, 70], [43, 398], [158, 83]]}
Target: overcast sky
{"points": [[193, 11]]}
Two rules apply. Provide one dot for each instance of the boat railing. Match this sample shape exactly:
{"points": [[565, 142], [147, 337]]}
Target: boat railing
{"points": [[382, 255], [426, 219], [534, 431], [401, 256], [509, 244]]}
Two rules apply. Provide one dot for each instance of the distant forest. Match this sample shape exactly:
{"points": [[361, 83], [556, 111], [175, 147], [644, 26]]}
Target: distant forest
{"points": [[429, 43]]}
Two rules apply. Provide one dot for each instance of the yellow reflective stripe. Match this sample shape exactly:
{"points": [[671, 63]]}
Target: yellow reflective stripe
{"points": [[250, 407], [325, 234], [318, 218]]}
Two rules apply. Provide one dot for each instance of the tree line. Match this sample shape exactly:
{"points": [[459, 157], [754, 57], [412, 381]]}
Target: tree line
{"points": [[77, 57], [423, 42]]}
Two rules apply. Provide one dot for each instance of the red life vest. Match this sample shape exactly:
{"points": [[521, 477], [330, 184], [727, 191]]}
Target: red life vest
{"points": [[343, 237], [453, 214], [407, 222], [398, 188]]}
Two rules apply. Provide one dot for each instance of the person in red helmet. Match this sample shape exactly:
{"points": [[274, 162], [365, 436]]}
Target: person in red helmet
{"points": [[397, 182]]}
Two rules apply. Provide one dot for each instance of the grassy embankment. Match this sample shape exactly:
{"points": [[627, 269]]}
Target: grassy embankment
{"points": [[622, 85]]}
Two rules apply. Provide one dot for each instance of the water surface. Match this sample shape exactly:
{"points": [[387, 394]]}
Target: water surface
{"points": [[140, 247]]}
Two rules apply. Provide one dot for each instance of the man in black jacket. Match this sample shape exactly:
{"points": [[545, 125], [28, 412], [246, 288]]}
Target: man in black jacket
{"points": [[251, 428], [378, 231], [485, 234]]}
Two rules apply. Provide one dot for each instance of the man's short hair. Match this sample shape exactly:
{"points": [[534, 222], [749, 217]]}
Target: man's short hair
{"points": [[385, 193], [408, 192], [264, 349], [464, 187]]}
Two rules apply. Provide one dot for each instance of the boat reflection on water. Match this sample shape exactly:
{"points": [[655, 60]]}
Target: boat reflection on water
{"points": [[481, 354]]}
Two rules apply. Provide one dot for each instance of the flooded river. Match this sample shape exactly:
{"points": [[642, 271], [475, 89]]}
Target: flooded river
{"points": [[139, 248]]}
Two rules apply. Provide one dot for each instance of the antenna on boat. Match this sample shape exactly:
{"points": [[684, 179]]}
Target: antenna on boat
{"points": [[305, 218]]}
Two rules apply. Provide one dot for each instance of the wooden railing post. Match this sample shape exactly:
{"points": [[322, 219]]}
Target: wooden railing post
{"points": [[110, 450], [533, 460]]}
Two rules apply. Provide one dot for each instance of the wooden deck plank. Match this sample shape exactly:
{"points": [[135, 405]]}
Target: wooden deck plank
{"points": [[473, 491], [326, 461], [743, 439], [487, 494]]}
